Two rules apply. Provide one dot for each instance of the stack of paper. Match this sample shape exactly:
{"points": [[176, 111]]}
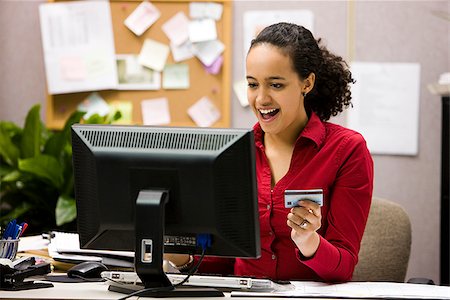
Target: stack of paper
{"points": [[356, 290], [65, 247]]}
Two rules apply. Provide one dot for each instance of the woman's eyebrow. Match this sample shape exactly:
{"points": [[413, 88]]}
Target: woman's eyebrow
{"points": [[275, 78], [268, 78]]}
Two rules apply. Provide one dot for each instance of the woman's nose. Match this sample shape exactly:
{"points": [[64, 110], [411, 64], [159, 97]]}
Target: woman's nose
{"points": [[262, 96]]}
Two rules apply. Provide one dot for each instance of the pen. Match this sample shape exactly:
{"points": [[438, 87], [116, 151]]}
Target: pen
{"points": [[24, 226], [8, 234]]}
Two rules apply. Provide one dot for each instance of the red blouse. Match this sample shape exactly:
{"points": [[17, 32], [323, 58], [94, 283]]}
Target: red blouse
{"points": [[326, 156]]}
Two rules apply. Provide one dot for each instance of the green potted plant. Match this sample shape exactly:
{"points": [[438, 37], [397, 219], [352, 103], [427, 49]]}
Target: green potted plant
{"points": [[36, 176]]}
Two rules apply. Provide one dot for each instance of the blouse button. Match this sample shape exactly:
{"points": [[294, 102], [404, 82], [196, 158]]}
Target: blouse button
{"points": [[274, 256], [268, 206], [270, 233]]}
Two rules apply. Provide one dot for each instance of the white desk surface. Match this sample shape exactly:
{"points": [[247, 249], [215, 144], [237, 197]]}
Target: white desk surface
{"points": [[99, 290], [84, 290]]}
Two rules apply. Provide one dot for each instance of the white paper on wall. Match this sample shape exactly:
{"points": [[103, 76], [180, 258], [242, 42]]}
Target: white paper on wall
{"points": [[142, 18], [155, 111], [177, 29], [208, 52], [202, 30], [201, 10], [256, 20], [153, 55], [386, 106], [78, 44], [204, 112]]}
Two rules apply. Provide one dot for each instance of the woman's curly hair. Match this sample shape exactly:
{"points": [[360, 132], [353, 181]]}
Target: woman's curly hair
{"points": [[331, 92]]}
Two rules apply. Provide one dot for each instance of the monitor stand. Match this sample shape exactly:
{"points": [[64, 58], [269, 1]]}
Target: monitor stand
{"points": [[181, 291], [149, 250]]}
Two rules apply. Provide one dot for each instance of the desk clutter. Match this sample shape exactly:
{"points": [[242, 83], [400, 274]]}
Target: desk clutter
{"points": [[12, 276], [15, 276], [13, 272], [65, 247]]}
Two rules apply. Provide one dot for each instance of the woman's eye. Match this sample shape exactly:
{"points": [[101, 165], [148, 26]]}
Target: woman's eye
{"points": [[277, 85], [252, 85]]}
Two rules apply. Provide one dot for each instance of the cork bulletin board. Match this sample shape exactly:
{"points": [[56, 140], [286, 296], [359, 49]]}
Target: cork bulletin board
{"points": [[216, 87]]}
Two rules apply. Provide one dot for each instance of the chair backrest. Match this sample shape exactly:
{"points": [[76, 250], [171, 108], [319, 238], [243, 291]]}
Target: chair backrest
{"points": [[386, 244]]}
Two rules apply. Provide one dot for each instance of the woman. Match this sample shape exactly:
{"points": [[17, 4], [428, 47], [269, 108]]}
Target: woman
{"points": [[294, 86]]}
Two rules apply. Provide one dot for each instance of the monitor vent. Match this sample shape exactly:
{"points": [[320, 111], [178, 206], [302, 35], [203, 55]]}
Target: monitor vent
{"points": [[157, 140]]}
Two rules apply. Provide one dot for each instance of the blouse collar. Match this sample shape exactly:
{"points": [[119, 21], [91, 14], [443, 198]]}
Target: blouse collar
{"points": [[314, 131]]}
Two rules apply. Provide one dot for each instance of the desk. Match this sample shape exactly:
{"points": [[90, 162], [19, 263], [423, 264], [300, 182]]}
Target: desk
{"points": [[99, 290], [85, 290]]}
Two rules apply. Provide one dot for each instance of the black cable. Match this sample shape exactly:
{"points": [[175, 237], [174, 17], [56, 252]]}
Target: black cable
{"points": [[88, 279], [168, 288]]}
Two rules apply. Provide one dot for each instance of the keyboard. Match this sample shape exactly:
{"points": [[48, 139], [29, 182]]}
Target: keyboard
{"points": [[224, 282]]}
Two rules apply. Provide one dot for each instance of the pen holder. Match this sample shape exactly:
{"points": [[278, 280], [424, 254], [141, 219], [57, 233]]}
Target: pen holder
{"points": [[8, 248]]}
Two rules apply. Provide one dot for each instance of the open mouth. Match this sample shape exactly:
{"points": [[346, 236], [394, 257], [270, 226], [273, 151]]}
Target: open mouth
{"points": [[268, 113]]}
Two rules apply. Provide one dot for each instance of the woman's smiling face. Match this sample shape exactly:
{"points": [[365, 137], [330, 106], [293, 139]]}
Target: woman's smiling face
{"points": [[275, 90]]}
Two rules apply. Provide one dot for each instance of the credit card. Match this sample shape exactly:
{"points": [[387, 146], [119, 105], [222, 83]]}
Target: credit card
{"points": [[291, 197]]}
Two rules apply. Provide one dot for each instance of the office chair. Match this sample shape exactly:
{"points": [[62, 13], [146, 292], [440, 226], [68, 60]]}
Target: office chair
{"points": [[386, 244]]}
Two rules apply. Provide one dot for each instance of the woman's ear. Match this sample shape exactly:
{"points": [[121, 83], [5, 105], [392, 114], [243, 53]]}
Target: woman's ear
{"points": [[308, 83]]}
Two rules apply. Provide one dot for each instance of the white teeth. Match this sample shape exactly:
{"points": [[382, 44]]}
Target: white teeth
{"points": [[267, 111]]}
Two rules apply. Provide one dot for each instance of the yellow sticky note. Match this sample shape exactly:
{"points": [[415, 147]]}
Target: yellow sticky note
{"points": [[125, 108]]}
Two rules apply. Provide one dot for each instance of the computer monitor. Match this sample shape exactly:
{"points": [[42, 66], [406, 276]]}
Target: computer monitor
{"points": [[162, 189]]}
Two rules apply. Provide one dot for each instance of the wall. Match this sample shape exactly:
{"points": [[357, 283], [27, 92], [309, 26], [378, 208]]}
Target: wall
{"points": [[21, 60], [385, 31]]}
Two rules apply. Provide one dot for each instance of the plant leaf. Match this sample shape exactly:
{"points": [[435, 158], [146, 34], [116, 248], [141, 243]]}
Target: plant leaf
{"points": [[55, 145], [10, 127], [95, 119], [8, 150], [75, 117], [44, 166], [12, 176], [117, 115], [18, 211], [31, 135], [5, 169], [65, 211]]}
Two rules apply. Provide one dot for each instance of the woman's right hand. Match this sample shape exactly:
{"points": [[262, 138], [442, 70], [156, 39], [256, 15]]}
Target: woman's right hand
{"points": [[177, 259]]}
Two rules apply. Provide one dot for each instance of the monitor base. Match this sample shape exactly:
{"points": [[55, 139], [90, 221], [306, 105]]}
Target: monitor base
{"points": [[181, 291]]}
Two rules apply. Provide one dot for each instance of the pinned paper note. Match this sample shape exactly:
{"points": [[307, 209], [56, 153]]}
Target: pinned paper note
{"points": [[183, 52], [176, 29], [201, 10], [94, 104], [97, 66], [208, 52], [215, 67], [176, 76], [126, 110], [153, 55], [73, 68], [240, 89], [155, 111], [202, 30], [142, 18], [133, 76], [204, 112]]}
